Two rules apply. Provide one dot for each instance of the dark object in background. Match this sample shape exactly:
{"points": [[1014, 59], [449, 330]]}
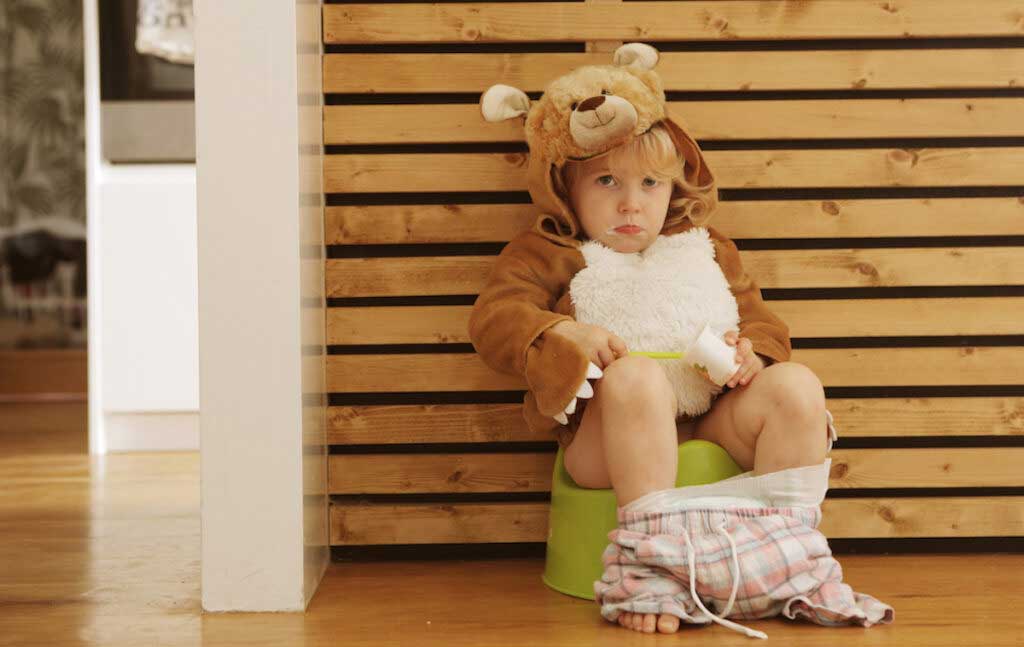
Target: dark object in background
{"points": [[43, 286], [33, 255]]}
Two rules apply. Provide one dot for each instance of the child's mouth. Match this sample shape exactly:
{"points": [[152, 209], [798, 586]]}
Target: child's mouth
{"points": [[628, 229]]}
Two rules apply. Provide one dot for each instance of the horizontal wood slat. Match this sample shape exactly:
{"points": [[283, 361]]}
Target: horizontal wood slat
{"points": [[706, 120], [468, 223], [812, 268], [820, 318], [852, 69], [854, 417], [836, 367], [528, 522], [531, 471], [730, 20], [739, 169]]}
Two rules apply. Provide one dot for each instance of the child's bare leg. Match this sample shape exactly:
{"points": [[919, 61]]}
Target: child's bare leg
{"points": [[627, 440], [775, 422]]}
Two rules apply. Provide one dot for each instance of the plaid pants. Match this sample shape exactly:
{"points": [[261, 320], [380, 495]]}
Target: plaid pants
{"points": [[726, 550]]}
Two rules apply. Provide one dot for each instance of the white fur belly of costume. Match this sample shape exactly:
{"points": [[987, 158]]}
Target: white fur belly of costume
{"points": [[658, 300]]}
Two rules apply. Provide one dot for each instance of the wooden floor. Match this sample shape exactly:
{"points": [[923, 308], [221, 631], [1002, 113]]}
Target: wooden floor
{"points": [[106, 552]]}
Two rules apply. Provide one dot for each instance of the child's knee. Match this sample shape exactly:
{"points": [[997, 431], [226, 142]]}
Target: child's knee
{"points": [[637, 379], [797, 390]]}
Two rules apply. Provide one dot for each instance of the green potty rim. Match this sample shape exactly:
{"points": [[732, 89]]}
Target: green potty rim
{"points": [[581, 518]]}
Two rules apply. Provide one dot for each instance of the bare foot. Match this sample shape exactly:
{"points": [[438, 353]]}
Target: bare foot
{"points": [[648, 622]]}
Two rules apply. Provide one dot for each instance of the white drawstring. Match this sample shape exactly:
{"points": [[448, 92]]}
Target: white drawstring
{"points": [[691, 559], [735, 570]]}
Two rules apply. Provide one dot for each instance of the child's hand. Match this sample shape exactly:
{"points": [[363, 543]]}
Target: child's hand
{"points": [[750, 363], [599, 345]]}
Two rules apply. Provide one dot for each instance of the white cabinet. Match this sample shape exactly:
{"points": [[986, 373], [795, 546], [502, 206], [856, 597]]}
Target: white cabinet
{"points": [[142, 290], [148, 298]]}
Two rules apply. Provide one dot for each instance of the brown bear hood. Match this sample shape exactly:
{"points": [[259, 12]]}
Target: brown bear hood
{"points": [[584, 114]]}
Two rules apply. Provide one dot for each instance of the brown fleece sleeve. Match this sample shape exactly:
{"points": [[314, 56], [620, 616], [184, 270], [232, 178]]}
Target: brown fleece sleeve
{"points": [[768, 333], [516, 307]]}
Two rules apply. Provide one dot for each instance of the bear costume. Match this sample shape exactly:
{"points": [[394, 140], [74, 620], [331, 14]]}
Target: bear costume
{"points": [[747, 547], [581, 115]]}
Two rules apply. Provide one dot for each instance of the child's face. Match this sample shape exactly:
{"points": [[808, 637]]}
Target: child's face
{"points": [[625, 211]]}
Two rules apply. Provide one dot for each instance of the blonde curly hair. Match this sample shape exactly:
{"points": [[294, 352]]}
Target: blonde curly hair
{"points": [[655, 154]]}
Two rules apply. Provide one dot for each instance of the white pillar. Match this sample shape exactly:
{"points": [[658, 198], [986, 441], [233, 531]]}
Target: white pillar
{"points": [[91, 60], [261, 304]]}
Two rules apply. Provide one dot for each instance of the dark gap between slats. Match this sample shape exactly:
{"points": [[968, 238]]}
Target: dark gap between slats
{"points": [[937, 341], [434, 397], [537, 497], [455, 148], [878, 243], [534, 47], [813, 44], [511, 447], [414, 250], [437, 552], [950, 291], [400, 98], [421, 198], [927, 545], [537, 550], [949, 391], [725, 195], [844, 442], [364, 302], [715, 45], [440, 499], [410, 250], [769, 294], [848, 143], [516, 397]]}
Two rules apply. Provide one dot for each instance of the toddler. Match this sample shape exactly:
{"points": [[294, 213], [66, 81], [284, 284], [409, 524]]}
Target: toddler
{"points": [[620, 260]]}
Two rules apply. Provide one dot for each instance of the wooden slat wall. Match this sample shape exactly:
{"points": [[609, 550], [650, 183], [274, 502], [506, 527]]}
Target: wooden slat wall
{"points": [[875, 188]]}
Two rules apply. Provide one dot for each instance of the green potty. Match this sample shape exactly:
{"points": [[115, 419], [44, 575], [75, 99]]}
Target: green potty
{"points": [[580, 518]]}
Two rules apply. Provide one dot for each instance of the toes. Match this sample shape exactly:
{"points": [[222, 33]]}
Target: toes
{"points": [[648, 623], [668, 624]]}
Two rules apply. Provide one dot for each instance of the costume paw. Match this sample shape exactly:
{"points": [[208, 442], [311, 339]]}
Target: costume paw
{"points": [[555, 368], [584, 391]]}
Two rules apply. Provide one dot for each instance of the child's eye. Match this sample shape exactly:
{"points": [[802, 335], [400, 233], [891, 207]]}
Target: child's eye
{"points": [[599, 180], [654, 181]]}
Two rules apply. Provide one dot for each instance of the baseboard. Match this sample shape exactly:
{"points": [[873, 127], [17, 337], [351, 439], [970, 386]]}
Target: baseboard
{"points": [[146, 432]]}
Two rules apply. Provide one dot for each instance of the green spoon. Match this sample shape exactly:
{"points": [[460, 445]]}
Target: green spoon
{"points": [[655, 355]]}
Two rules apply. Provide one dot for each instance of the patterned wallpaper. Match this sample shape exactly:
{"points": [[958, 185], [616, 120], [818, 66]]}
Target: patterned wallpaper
{"points": [[42, 190]]}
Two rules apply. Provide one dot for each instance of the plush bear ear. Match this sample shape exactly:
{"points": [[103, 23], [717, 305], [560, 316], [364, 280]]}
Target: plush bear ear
{"points": [[640, 54], [501, 102]]}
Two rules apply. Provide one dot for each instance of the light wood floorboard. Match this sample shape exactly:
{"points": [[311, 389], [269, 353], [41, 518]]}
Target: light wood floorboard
{"points": [[106, 552]]}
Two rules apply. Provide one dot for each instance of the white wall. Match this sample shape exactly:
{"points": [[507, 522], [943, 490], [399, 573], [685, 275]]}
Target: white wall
{"points": [[142, 291], [261, 304]]}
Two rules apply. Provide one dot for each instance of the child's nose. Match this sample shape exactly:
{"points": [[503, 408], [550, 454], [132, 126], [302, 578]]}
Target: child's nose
{"points": [[630, 200]]}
